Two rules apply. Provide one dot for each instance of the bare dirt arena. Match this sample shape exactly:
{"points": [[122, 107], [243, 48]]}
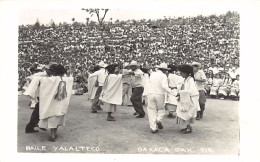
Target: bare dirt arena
{"points": [[217, 133]]}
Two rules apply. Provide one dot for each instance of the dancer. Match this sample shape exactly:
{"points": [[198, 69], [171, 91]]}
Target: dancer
{"points": [[101, 75], [126, 85], [138, 89], [91, 85], [112, 92], [188, 100], [33, 86], [55, 95], [171, 100], [158, 88], [200, 79]]}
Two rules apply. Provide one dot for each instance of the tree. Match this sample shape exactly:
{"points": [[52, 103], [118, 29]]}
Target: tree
{"points": [[52, 24], [97, 12], [100, 18], [37, 24]]}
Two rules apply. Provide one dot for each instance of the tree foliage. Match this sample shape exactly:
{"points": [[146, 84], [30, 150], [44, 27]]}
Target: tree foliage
{"points": [[37, 24], [98, 13]]}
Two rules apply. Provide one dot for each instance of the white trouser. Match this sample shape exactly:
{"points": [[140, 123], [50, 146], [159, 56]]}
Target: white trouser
{"points": [[155, 109]]}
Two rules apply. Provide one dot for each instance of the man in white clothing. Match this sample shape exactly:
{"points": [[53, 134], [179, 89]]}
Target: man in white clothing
{"points": [[156, 97], [101, 76]]}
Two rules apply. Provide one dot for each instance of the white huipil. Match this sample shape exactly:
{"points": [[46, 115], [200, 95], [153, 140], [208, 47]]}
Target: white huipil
{"points": [[158, 88], [112, 92], [189, 100], [51, 111]]}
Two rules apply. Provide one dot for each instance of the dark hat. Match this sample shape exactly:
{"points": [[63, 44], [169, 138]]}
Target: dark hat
{"points": [[185, 68], [49, 65], [172, 68], [111, 68], [58, 70]]}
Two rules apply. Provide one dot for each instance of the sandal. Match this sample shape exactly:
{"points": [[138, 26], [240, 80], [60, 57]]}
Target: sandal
{"points": [[182, 130], [51, 139], [187, 131], [111, 119]]}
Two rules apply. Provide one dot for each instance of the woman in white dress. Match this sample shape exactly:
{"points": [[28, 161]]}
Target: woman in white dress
{"points": [[112, 92], [225, 85], [55, 95], [188, 99], [215, 85]]}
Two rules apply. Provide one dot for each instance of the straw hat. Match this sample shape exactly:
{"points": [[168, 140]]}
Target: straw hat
{"points": [[126, 64], [163, 66], [133, 63], [196, 64]]}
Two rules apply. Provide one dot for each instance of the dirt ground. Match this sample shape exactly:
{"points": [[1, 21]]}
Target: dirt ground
{"points": [[217, 133]]}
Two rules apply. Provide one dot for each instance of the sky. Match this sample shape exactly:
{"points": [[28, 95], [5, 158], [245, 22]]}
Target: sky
{"points": [[30, 15]]}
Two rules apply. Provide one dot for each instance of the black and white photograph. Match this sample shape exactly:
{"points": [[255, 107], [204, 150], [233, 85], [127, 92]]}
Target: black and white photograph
{"points": [[128, 80]]}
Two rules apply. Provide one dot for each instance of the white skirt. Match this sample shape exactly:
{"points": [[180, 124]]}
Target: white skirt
{"points": [[52, 122], [107, 107]]}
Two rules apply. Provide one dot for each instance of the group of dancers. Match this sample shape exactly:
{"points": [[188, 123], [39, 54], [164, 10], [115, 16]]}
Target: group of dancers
{"points": [[177, 89]]}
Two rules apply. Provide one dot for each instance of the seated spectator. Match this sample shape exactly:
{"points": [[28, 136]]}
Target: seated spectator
{"points": [[215, 85], [224, 86], [208, 83], [234, 94]]}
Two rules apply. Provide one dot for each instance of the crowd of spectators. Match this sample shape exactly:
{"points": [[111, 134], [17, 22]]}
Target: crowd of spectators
{"points": [[212, 40]]}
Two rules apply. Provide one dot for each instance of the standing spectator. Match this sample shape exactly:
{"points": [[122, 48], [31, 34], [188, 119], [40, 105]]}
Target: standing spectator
{"points": [[200, 79]]}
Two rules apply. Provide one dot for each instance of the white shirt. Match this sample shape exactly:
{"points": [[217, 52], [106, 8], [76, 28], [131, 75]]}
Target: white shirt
{"points": [[159, 83], [137, 79], [101, 75], [200, 75], [174, 80]]}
